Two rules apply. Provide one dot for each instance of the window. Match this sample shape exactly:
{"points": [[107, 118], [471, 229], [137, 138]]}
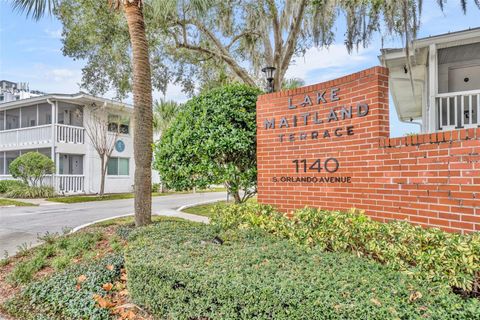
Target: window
{"points": [[117, 123], [118, 167]]}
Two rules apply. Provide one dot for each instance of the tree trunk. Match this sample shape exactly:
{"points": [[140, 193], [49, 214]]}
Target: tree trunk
{"points": [[143, 117], [102, 178], [236, 196]]}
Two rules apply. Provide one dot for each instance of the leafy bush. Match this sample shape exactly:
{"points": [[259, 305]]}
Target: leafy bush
{"points": [[31, 167], [429, 254], [30, 192], [6, 185], [63, 297], [155, 187], [212, 141], [176, 271]]}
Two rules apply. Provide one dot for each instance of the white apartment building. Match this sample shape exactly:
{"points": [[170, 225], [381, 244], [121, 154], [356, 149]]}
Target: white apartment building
{"points": [[12, 91], [54, 124], [445, 72]]}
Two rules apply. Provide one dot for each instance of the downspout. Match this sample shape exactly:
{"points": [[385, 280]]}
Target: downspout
{"points": [[54, 158], [413, 122]]}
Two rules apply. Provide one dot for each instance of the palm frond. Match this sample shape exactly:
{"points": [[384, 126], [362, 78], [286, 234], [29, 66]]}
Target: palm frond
{"points": [[35, 8]]}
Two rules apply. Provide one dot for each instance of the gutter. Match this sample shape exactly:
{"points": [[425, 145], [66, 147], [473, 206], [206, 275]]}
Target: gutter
{"points": [[54, 138]]}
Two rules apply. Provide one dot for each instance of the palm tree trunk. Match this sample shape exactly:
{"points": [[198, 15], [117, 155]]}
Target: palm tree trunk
{"points": [[143, 118]]}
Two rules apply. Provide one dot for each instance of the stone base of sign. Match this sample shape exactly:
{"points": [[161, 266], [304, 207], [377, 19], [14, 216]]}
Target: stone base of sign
{"points": [[327, 146]]}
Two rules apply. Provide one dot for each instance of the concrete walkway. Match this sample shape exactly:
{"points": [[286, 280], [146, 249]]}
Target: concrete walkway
{"points": [[21, 225]]}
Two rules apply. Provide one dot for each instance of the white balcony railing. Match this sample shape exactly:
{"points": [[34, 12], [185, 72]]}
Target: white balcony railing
{"points": [[69, 183], [23, 137], [62, 183], [457, 110], [26, 136], [70, 134]]}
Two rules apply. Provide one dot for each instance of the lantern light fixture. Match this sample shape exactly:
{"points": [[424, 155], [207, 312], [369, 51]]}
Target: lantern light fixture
{"points": [[269, 75]]}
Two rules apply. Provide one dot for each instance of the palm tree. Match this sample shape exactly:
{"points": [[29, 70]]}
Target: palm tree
{"points": [[164, 111], [292, 83], [142, 94]]}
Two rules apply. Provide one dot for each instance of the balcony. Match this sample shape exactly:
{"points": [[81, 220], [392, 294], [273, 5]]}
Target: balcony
{"points": [[456, 110], [38, 135]]}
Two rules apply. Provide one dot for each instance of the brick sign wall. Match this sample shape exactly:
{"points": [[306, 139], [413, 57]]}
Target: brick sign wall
{"points": [[327, 146]]}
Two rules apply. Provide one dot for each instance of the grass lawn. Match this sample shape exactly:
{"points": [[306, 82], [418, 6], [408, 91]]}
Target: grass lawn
{"points": [[119, 196], [9, 202], [206, 209], [202, 209], [111, 270]]}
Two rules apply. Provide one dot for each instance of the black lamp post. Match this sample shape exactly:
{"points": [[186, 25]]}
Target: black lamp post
{"points": [[269, 74]]}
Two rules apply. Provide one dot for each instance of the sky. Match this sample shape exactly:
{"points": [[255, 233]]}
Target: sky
{"points": [[32, 52]]}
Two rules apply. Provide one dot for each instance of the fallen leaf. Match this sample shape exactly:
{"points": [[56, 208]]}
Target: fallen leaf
{"points": [[123, 277], [123, 292], [107, 286], [415, 295], [128, 315], [81, 278], [110, 267], [376, 302], [102, 302]]}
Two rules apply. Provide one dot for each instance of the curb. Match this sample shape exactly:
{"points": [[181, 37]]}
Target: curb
{"points": [[82, 226], [180, 209]]}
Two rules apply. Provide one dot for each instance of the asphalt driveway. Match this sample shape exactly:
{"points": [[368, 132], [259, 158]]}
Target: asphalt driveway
{"points": [[21, 225]]}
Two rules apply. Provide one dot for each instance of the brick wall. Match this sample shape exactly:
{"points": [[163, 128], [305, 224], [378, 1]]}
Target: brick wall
{"points": [[429, 179]]}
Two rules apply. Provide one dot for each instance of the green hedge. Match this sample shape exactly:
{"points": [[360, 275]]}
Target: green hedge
{"points": [[58, 298], [177, 272], [428, 254], [6, 185]]}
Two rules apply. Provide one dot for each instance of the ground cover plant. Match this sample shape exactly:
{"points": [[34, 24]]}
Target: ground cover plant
{"points": [[180, 270], [183, 270], [72, 294], [70, 276], [430, 254]]}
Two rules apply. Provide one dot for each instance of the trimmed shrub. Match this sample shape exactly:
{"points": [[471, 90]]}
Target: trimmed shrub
{"points": [[428, 254], [6, 185], [176, 271], [59, 297], [30, 192], [212, 141], [32, 167]]}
